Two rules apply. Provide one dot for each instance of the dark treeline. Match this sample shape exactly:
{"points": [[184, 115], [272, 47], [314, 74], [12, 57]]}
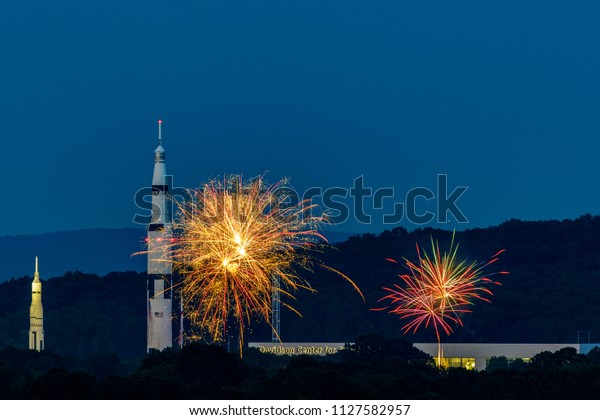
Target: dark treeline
{"points": [[552, 292], [374, 368]]}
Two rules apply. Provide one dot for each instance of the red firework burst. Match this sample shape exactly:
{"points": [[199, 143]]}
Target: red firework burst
{"points": [[438, 289]]}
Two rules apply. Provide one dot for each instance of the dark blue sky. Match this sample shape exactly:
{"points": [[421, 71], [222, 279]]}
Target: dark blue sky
{"points": [[503, 96]]}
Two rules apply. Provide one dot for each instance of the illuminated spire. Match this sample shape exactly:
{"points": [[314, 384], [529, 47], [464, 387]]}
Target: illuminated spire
{"points": [[36, 275], [159, 328], [159, 154], [36, 313], [160, 132]]}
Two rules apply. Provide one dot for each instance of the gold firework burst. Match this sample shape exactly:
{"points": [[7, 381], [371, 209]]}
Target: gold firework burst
{"points": [[232, 239]]}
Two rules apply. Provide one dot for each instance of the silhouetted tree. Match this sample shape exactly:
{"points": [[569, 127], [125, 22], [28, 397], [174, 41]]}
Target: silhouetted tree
{"points": [[367, 347], [499, 362]]}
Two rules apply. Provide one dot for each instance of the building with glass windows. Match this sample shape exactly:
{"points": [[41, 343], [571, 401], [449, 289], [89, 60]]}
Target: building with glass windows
{"points": [[467, 355], [477, 355]]}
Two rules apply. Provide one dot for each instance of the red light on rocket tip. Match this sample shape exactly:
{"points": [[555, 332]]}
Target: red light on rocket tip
{"points": [[160, 121]]}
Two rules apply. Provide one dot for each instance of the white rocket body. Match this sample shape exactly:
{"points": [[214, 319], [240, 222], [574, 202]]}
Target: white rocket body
{"points": [[36, 313], [159, 294]]}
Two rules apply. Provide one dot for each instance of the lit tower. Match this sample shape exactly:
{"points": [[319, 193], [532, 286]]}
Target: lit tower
{"points": [[276, 310], [36, 313], [160, 332]]}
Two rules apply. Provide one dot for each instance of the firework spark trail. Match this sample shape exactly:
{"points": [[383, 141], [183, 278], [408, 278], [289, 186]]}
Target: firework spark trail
{"points": [[438, 289], [231, 240]]}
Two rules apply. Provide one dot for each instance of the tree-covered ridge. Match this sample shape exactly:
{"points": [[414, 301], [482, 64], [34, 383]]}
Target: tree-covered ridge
{"points": [[83, 313], [552, 292]]}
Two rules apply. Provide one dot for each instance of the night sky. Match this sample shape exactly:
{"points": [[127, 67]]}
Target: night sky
{"points": [[502, 96]]}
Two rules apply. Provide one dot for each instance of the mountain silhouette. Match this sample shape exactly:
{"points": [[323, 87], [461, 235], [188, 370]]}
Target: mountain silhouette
{"points": [[97, 251]]}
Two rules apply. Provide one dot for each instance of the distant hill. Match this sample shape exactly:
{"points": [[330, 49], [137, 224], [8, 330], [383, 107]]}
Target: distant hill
{"points": [[83, 313], [551, 293], [97, 251]]}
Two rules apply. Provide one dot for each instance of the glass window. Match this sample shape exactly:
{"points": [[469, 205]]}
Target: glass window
{"points": [[459, 362]]}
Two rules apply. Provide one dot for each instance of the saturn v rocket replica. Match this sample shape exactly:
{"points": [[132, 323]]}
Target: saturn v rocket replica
{"points": [[159, 294], [36, 313]]}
